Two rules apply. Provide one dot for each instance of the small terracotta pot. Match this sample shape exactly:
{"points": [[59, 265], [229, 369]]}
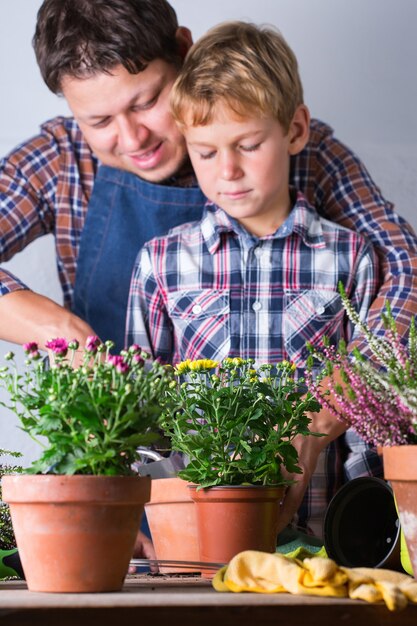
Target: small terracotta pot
{"points": [[400, 468], [172, 522], [236, 518], [75, 533]]}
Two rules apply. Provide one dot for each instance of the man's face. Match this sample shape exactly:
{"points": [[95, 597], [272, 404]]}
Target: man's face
{"points": [[242, 165], [126, 120]]}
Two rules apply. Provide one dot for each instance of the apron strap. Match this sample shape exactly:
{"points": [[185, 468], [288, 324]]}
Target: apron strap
{"points": [[123, 213]]}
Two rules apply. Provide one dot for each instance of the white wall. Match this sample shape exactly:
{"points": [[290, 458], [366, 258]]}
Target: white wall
{"points": [[358, 62]]}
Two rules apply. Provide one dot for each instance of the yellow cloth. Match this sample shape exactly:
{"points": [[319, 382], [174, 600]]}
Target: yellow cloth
{"points": [[262, 572]]}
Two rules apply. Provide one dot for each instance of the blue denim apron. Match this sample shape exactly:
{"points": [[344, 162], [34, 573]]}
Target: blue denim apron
{"points": [[124, 212]]}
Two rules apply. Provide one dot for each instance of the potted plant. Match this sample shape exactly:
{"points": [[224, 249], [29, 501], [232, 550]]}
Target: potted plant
{"points": [[8, 558], [7, 538], [76, 511], [376, 394], [235, 424]]}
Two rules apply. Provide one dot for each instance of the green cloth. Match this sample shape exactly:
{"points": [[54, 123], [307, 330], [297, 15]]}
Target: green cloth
{"points": [[298, 545], [5, 570]]}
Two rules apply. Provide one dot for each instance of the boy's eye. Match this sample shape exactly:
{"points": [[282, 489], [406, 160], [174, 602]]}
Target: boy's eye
{"points": [[207, 155], [250, 148]]}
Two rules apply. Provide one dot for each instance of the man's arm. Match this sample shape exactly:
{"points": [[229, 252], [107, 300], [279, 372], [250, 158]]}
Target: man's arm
{"points": [[337, 183], [45, 185], [27, 316]]}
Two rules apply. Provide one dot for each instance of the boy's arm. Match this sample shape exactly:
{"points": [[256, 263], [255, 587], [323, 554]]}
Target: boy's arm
{"points": [[361, 290], [147, 322], [339, 186]]}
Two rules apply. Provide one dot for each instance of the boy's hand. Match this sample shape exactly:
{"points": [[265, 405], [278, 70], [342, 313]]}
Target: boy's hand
{"points": [[308, 449], [143, 550]]}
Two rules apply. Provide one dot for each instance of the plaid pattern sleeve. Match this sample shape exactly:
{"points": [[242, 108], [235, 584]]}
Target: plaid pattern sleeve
{"points": [[45, 185], [339, 186], [148, 322]]}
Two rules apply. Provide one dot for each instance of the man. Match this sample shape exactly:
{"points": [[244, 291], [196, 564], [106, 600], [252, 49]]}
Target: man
{"points": [[117, 175]]}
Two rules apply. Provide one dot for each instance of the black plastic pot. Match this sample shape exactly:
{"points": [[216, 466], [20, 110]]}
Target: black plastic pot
{"points": [[361, 526]]}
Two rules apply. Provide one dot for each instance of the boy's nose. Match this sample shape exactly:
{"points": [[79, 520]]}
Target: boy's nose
{"points": [[230, 168]]}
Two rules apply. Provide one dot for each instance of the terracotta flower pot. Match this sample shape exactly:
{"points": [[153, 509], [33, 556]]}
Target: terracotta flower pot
{"points": [[233, 519], [400, 468], [75, 533], [361, 527], [172, 522]]}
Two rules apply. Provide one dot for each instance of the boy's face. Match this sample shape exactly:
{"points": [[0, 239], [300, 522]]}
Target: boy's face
{"points": [[126, 120], [242, 165]]}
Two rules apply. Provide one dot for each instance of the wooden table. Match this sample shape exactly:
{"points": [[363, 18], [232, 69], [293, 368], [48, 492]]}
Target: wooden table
{"points": [[188, 601]]}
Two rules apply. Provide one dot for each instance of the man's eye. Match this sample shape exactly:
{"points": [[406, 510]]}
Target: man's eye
{"points": [[145, 105], [102, 123], [250, 148]]}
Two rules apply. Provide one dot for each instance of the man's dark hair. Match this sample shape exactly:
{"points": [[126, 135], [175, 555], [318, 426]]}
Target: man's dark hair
{"points": [[80, 38]]}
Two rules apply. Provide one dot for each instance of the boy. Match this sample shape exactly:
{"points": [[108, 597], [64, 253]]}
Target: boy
{"points": [[258, 276]]}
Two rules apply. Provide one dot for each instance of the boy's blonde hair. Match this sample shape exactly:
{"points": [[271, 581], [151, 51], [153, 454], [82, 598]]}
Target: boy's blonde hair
{"points": [[250, 68]]}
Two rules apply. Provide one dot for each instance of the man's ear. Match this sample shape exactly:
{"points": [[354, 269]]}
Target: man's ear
{"points": [[184, 40], [299, 130]]}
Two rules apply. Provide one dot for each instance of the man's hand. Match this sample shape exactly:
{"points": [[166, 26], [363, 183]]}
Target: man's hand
{"points": [[308, 449], [26, 316]]}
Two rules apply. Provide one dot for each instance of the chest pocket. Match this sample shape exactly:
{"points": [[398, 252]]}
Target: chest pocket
{"points": [[201, 321], [308, 317]]}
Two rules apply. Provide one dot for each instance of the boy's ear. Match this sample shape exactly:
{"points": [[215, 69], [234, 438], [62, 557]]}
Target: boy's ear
{"points": [[184, 40], [299, 130]]}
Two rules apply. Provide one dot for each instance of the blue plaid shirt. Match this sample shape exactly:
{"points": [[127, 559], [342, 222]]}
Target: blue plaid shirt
{"points": [[210, 290]]}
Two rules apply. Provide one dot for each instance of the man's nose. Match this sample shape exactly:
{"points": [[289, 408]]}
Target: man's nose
{"points": [[132, 134]]}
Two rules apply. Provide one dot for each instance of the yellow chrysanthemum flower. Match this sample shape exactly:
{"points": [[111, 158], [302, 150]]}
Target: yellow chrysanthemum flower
{"points": [[183, 367], [202, 364], [234, 361]]}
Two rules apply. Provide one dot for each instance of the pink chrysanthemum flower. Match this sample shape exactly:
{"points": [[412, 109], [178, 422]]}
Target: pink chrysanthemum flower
{"points": [[58, 346]]}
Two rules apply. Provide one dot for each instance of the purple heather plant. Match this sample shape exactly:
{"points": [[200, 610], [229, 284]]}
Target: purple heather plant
{"points": [[377, 397]]}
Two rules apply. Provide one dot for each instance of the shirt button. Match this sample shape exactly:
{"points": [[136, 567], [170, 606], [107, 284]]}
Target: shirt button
{"points": [[320, 310], [258, 252], [256, 306], [197, 309]]}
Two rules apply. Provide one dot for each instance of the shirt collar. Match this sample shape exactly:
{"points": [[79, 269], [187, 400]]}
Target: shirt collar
{"points": [[213, 223], [303, 221]]}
